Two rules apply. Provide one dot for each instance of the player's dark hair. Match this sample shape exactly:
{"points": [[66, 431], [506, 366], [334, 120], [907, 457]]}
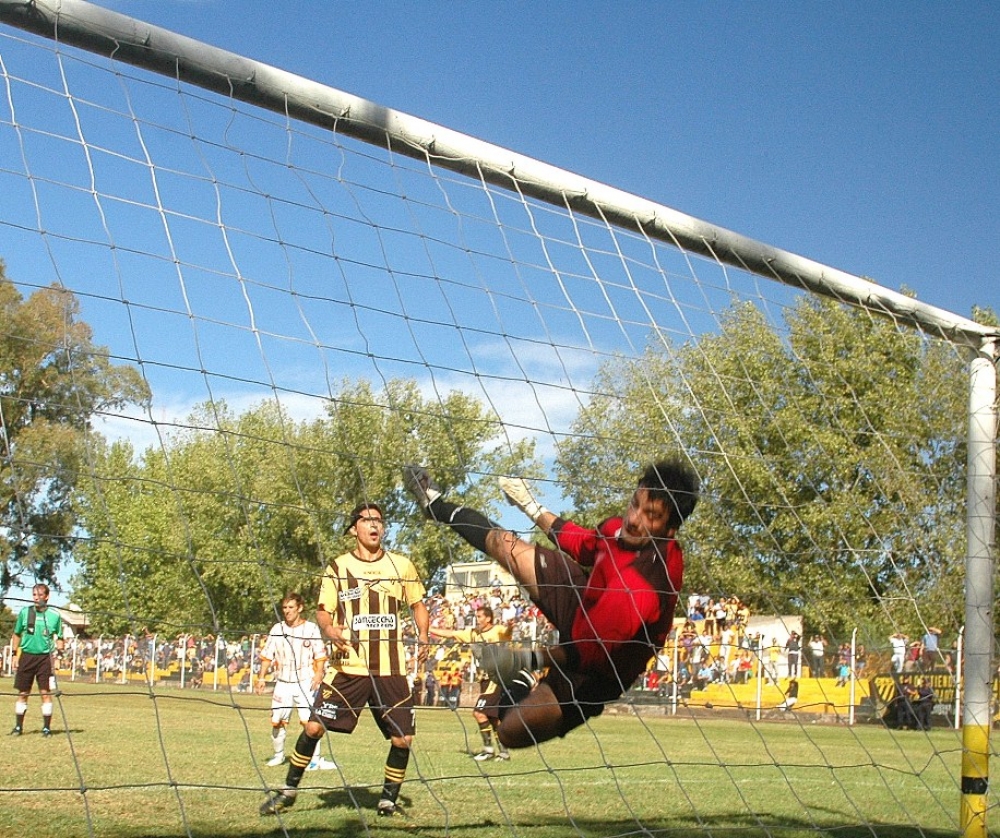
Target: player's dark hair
{"points": [[359, 512], [487, 611], [295, 597], [676, 483]]}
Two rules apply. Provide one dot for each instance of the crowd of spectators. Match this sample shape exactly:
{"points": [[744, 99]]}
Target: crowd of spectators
{"points": [[195, 660], [450, 666], [186, 657], [713, 645]]}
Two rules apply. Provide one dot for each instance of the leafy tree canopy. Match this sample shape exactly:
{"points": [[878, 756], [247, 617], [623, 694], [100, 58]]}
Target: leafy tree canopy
{"points": [[832, 457], [53, 381], [210, 531]]}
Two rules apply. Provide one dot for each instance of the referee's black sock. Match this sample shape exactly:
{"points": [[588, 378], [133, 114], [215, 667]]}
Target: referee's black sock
{"points": [[468, 523]]}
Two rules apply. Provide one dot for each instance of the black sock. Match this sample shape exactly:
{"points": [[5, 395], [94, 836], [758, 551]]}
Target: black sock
{"points": [[305, 747], [395, 771], [468, 523]]}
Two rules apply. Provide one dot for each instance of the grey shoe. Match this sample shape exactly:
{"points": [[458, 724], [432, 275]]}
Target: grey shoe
{"points": [[386, 809], [421, 485], [278, 802]]}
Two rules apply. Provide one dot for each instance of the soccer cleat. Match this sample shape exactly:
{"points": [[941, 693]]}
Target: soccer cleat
{"points": [[276, 760], [507, 667], [313, 765], [16, 731], [524, 680], [483, 755], [421, 485], [386, 809], [503, 756], [46, 732], [324, 764], [278, 802]]}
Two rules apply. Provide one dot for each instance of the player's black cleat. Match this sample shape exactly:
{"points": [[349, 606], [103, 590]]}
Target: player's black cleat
{"points": [[278, 802], [16, 731], [46, 732]]}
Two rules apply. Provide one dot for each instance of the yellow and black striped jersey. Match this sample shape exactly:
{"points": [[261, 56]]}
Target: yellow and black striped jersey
{"points": [[371, 599]]}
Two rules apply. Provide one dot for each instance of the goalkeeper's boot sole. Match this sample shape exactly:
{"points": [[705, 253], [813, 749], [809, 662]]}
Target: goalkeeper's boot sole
{"points": [[421, 485]]}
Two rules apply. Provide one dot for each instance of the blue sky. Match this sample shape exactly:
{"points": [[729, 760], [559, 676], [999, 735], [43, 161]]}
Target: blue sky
{"points": [[863, 135]]}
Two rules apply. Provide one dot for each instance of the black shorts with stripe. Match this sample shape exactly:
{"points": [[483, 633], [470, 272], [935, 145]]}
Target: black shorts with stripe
{"points": [[339, 704], [488, 702]]}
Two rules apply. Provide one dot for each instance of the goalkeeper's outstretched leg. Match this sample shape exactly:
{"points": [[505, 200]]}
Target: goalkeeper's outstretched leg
{"points": [[611, 620], [513, 553]]}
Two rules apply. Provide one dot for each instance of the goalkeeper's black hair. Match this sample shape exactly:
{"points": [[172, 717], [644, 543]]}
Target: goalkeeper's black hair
{"points": [[676, 483]]}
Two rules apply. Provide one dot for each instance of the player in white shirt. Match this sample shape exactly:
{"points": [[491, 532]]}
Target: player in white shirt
{"points": [[296, 652]]}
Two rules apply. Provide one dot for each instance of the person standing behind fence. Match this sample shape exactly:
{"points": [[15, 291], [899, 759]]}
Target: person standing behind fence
{"points": [[37, 634], [295, 650], [930, 657], [793, 651], [817, 653], [898, 641]]}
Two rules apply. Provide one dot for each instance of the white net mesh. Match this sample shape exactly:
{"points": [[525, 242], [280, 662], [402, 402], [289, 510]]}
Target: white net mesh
{"points": [[309, 314]]}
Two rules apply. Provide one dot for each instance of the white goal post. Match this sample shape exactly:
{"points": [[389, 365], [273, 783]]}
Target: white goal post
{"points": [[188, 62]]}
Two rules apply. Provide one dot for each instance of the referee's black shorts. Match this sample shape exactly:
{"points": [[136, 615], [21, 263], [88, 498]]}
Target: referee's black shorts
{"points": [[32, 668]]}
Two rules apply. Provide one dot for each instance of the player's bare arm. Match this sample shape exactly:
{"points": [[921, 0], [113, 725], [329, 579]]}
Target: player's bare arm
{"points": [[265, 667], [422, 620], [338, 635]]}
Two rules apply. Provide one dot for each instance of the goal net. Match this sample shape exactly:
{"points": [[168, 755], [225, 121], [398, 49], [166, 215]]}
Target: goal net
{"points": [[313, 291]]}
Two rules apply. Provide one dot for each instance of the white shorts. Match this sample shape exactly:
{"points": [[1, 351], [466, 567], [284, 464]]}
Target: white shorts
{"points": [[289, 694]]}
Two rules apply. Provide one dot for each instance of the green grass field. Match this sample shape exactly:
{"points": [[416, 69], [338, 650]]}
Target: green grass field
{"points": [[125, 764]]}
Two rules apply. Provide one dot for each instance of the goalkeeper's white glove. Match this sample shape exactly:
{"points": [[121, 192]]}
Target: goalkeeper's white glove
{"points": [[519, 494]]}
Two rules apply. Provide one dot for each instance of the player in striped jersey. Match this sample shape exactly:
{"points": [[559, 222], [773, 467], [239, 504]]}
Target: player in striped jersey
{"points": [[363, 599], [487, 709]]}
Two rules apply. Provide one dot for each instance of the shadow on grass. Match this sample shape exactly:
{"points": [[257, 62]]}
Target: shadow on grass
{"points": [[360, 819]]}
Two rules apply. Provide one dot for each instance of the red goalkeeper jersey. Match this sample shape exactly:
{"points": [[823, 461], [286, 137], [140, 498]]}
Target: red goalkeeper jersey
{"points": [[627, 606]]}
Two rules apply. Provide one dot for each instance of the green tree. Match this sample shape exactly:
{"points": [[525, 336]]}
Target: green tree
{"points": [[53, 380], [209, 532], [7, 620], [133, 560], [832, 460]]}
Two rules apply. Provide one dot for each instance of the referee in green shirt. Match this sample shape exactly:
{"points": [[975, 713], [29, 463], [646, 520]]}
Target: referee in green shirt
{"points": [[37, 634]]}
